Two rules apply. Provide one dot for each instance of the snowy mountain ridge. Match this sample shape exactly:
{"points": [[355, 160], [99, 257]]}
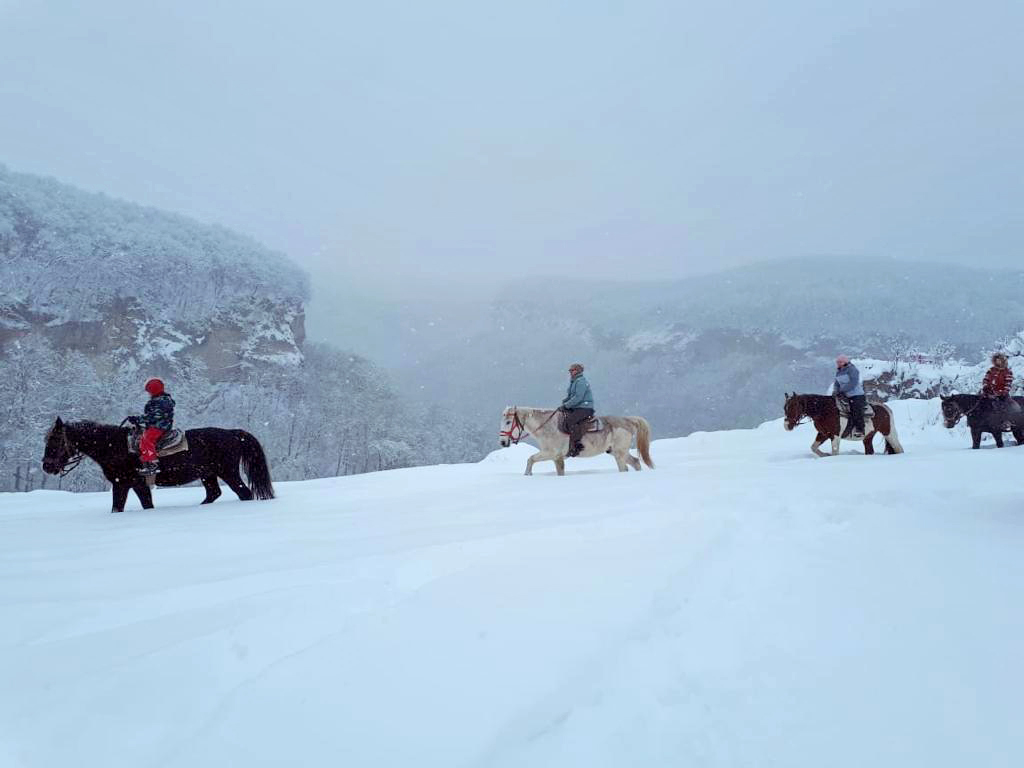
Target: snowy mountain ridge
{"points": [[97, 295], [140, 286]]}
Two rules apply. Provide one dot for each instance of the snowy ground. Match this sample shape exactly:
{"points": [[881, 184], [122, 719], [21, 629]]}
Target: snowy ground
{"points": [[744, 604]]}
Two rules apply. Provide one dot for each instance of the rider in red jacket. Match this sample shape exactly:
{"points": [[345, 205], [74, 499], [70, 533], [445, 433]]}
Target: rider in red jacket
{"points": [[157, 419], [997, 384]]}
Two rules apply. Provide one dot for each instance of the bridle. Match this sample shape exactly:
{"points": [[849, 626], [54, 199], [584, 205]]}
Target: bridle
{"points": [[961, 413], [517, 431], [804, 417], [72, 456]]}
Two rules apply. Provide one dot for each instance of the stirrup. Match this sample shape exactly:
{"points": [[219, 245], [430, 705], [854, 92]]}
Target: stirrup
{"points": [[149, 468]]}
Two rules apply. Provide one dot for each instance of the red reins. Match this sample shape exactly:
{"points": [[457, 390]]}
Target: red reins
{"points": [[518, 430]]}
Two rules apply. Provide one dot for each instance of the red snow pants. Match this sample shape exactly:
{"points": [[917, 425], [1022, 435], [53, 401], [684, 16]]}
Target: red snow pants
{"points": [[147, 445]]}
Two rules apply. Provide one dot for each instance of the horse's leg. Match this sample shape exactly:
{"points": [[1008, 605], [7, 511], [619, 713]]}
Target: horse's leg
{"points": [[620, 460], [997, 434], [120, 491], [975, 437], [836, 442], [529, 463], [620, 450], [234, 481], [888, 446], [538, 456], [560, 466], [815, 446], [212, 489], [1018, 435], [869, 444], [143, 491]]}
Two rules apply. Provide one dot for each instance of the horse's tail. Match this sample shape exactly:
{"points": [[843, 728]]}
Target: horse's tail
{"points": [[892, 440], [254, 462], [643, 438]]}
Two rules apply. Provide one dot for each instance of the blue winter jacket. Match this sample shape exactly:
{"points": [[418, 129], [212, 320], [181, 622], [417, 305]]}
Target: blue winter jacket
{"points": [[848, 381], [579, 395], [159, 412]]}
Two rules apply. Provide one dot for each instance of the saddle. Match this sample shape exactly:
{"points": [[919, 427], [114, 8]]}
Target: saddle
{"points": [[593, 424], [843, 404], [173, 441]]}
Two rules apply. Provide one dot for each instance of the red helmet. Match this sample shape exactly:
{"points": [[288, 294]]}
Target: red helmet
{"points": [[155, 387]]}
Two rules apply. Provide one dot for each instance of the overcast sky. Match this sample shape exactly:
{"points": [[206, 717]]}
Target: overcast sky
{"points": [[396, 140]]}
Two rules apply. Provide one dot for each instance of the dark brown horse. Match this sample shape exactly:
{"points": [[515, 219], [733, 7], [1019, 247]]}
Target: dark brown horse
{"points": [[982, 416], [212, 453], [824, 413]]}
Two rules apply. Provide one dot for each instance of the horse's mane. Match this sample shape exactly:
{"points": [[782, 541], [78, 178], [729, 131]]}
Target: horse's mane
{"points": [[91, 428], [528, 408], [813, 404], [963, 398]]}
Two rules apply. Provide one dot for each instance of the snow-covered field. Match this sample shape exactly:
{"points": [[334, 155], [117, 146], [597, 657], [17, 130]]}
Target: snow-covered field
{"points": [[744, 604]]}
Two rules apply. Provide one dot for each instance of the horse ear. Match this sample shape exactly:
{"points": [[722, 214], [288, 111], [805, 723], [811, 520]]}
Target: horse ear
{"points": [[58, 423]]}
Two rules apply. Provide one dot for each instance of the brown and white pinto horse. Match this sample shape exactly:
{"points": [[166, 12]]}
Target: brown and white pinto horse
{"points": [[823, 412]]}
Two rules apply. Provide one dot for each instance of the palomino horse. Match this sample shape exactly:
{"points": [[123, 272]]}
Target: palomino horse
{"points": [[982, 417], [822, 410], [615, 437]]}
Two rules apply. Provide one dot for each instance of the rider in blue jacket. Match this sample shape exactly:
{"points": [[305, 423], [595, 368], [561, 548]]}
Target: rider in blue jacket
{"points": [[578, 405], [848, 385]]}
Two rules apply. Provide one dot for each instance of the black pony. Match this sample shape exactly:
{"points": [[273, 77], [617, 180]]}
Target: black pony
{"points": [[982, 417], [211, 453]]}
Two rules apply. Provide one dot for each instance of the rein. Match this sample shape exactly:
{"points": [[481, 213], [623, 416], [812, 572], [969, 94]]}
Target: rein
{"points": [[73, 456], [518, 430], [962, 413], [804, 416]]}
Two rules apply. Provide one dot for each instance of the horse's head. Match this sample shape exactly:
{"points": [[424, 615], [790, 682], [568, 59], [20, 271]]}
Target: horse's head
{"points": [[509, 420], [59, 451], [951, 411], [793, 410]]}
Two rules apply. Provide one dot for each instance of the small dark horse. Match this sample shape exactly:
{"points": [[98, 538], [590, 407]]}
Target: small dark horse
{"points": [[982, 417], [211, 453], [822, 410]]}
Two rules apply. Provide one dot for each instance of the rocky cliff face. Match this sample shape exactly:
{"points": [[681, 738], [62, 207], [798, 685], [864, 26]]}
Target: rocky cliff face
{"points": [[97, 295], [136, 289]]}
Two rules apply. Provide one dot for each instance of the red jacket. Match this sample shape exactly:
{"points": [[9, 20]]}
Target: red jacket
{"points": [[997, 382]]}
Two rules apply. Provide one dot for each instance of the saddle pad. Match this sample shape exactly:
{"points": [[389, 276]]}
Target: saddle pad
{"points": [[179, 446], [844, 408], [168, 445], [593, 424]]}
